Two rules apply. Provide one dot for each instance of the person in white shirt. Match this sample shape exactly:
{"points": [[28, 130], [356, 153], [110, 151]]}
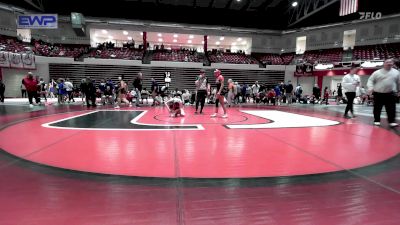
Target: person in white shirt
{"points": [[350, 83], [255, 89], [69, 87], [384, 84]]}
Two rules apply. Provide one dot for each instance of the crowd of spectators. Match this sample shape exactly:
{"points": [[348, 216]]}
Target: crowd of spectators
{"points": [[177, 55], [218, 56]]}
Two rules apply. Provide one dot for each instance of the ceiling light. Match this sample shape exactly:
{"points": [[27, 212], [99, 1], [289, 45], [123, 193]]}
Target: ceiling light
{"points": [[141, 33], [189, 41], [191, 36], [175, 40], [129, 38], [160, 39], [239, 39], [125, 32], [104, 31], [244, 42], [175, 35], [217, 43], [294, 4], [202, 42], [221, 38], [160, 35], [95, 34], [110, 37], [238, 0], [234, 43]]}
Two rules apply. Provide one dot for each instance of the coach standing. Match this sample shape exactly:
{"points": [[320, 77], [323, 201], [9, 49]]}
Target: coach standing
{"points": [[384, 84], [350, 83], [32, 88], [138, 85]]}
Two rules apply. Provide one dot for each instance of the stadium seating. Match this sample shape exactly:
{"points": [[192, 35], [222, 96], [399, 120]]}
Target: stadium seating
{"points": [[11, 44], [382, 51], [323, 56], [181, 55], [234, 58], [117, 53], [275, 59], [58, 50]]}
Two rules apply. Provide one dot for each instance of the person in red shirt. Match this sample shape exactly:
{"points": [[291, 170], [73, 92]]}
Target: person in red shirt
{"points": [[31, 85], [271, 96], [220, 93], [326, 96]]}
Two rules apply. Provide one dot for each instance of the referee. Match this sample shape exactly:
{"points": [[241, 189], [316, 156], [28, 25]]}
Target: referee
{"points": [[384, 84]]}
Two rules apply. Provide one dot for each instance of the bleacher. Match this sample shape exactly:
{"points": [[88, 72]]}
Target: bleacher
{"points": [[274, 59], [233, 58], [117, 53], [381, 51], [12, 44], [323, 55], [181, 55], [58, 50]]}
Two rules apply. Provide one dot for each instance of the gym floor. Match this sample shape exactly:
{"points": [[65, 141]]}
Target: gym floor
{"points": [[302, 164]]}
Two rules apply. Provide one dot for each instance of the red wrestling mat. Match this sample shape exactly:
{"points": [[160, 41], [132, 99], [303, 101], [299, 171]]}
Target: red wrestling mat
{"points": [[250, 143]]}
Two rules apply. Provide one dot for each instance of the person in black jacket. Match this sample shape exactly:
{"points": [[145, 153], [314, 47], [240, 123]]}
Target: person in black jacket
{"points": [[154, 90], [138, 85], [289, 92], [90, 91], [2, 90], [317, 93]]}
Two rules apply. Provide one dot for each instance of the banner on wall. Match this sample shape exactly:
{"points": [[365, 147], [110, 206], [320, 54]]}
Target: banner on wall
{"points": [[305, 69], [16, 60], [4, 59], [28, 61]]}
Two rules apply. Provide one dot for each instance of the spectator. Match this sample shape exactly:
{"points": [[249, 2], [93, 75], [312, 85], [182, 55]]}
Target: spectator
{"points": [[289, 92], [237, 92], [384, 84], [83, 90], [90, 92], [299, 92], [138, 85], [278, 94], [186, 97], [107, 95], [326, 96], [316, 93], [154, 90], [31, 88], [339, 94], [42, 89], [243, 92], [2, 90], [69, 87], [363, 95], [255, 89], [202, 87], [248, 93], [350, 83], [23, 91], [61, 91], [231, 95], [145, 95], [271, 96]]}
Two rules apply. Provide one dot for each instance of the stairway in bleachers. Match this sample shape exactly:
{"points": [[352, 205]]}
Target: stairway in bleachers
{"points": [[182, 78]]}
